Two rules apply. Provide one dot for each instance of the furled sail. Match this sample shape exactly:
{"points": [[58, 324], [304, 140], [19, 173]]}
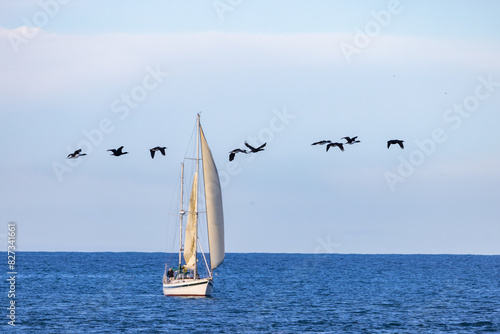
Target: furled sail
{"points": [[213, 200], [189, 240]]}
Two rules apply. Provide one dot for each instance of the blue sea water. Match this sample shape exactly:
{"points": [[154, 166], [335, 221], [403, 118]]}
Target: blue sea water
{"points": [[257, 293]]}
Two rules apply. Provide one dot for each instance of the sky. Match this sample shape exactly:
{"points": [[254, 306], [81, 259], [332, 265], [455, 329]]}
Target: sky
{"points": [[98, 75]]}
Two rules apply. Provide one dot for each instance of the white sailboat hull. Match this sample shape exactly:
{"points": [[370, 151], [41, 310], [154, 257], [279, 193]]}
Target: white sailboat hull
{"points": [[189, 287]]}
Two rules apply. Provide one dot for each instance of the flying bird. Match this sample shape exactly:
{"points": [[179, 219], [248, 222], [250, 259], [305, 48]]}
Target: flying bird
{"points": [[352, 140], [255, 150], [76, 154], [117, 152], [321, 142], [233, 153], [339, 145], [395, 141], [155, 149]]}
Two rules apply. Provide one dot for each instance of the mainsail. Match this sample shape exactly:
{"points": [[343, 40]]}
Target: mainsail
{"points": [[213, 200], [189, 240]]}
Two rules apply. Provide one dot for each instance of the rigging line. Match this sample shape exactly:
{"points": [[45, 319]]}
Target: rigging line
{"points": [[172, 228], [190, 141], [204, 258]]}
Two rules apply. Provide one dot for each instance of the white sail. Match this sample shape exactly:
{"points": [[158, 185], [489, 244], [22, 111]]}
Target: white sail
{"points": [[213, 200], [189, 239]]}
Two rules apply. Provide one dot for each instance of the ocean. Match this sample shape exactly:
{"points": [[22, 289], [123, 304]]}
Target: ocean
{"points": [[59, 292]]}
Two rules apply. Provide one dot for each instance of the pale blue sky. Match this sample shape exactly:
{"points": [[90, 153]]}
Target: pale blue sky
{"points": [[263, 70]]}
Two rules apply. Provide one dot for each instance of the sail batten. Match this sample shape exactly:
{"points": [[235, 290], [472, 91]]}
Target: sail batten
{"points": [[213, 200]]}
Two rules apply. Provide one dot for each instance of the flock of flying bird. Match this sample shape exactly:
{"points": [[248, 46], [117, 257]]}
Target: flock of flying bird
{"points": [[354, 140], [117, 152], [329, 143], [349, 141]]}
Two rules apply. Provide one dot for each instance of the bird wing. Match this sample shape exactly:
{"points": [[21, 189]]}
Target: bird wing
{"points": [[231, 156], [389, 144], [261, 146], [152, 151], [162, 150], [401, 144], [78, 151], [119, 150], [328, 146], [249, 146], [341, 146]]}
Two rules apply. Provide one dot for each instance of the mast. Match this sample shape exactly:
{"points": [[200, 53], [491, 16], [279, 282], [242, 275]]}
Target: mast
{"points": [[181, 215], [196, 206]]}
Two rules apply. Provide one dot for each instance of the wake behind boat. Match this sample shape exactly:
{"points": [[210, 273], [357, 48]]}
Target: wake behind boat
{"points": [[185, 279]]}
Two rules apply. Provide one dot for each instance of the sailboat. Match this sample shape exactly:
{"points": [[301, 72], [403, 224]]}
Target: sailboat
{"points": [[187, 278]]}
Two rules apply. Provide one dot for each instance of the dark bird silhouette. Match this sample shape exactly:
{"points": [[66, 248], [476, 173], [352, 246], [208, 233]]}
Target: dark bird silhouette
{"points": [[155, 149], [117, 152], [339, 145], [321, 142], [255, 150], [233, 153], [76, 154], [352, 140], [395, 141]]}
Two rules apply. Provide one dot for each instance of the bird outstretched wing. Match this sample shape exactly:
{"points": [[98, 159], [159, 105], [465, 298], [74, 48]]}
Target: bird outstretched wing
{"points": [[249, 146]]}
